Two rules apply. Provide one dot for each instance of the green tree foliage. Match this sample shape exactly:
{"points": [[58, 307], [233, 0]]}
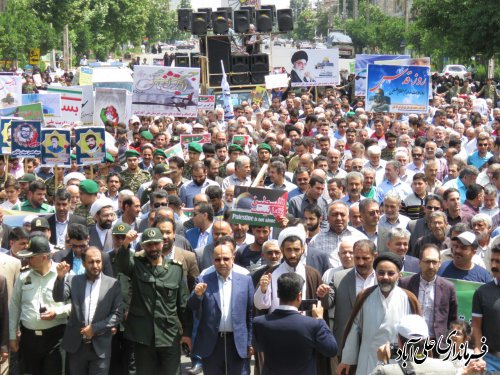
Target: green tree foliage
{"points": [[305, 26]]}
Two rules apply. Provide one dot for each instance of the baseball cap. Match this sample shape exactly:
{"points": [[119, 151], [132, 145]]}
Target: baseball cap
{"points": [[466, 238], [151, 235], [27, 177], [121, 228]]}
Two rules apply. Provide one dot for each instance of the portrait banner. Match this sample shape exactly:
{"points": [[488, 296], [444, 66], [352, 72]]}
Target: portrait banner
{"points": [[315, 67], [110, 105], [200, 138], [56, 147], [166, 91], [361, 69], [258, 206], [10, 91], [71, 106], [51, 103], [25, 137], [6, 134], [90, 145]]}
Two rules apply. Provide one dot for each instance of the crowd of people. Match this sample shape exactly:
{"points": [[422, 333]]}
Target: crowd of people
{"points": [[124, 266]]}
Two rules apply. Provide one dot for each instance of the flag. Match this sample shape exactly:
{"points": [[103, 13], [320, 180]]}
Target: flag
{"points": [[226, 96]]}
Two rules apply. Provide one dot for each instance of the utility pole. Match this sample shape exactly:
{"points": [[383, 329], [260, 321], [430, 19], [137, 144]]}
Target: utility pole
{"points": [[355, 9]]}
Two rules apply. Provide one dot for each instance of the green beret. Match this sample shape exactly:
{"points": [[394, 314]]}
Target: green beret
{"points": [[89, 187], [73, 156], [160, 152], [121, 228], [146, 134], [109, 157], [132, 154], [195, 147], [27, 177], [234, 147], [151, 235], [265, 146]]}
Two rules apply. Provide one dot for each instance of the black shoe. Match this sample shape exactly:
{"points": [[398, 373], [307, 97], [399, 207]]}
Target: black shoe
{"points": [[196, 369]]}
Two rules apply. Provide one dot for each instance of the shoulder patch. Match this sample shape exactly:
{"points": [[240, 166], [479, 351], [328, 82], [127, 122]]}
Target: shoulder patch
{"points": [[140, 254], [25, 268]]}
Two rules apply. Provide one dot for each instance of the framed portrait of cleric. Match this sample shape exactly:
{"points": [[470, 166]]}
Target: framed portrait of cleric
{"points": [[90, 145], [25, 136], [56, 147]]}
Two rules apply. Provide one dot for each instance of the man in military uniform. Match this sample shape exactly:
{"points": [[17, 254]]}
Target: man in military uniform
{"points": [[194, 151], [24, 185], [35, 200], [133, 177], [234, 152], [159, 296], [159, 156], [88, 195], [51, 183], [42, 321]]}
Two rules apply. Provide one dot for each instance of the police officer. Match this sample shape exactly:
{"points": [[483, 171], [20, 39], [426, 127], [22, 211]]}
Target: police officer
{"points": [[133, 177], [88, 195], [159, 296], [33, 310], [35, 201], [41, 224]]}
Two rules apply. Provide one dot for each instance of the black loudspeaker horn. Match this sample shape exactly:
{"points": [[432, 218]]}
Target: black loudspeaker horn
{"points": [[264, 20], [182, 59], [273, 11], [239, 69], [251, 11], [285, 20], [259, 65], [217, 48], [228, 10], [184, 19], [241, 21], [219, 22], [199, 24], [208, 16], [195, 60]]}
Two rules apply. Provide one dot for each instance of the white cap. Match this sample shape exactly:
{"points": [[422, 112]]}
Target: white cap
{"points": [[100, 204], [198, 126], [134, 119], [466, 238], [74, 175], [292, 231], [413, 327]]}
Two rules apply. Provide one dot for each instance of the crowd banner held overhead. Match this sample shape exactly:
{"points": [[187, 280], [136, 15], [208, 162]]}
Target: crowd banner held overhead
{"points": [[200, 138], [259, 95], [397, 89], [241, 139], [274, 81], [10, 91], [165, 91], [174, 151], [111, 105], [90, 145], [226, 95], [56, 147], [314, 67], [258, 206], [87, 115], [71, 106], [361, 69], [6, 135], [25, 137], [206, 102], [51, 103], [85, 77], [34, 56]]}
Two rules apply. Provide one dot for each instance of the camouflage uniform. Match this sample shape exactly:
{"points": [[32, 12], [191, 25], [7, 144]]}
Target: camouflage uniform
{"points": [[84, 212], [50, 183], [187, 171], [134, 180], [222, 170]]}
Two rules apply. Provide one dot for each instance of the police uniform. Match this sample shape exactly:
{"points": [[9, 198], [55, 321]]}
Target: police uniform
{"points": [[40, 342], [159, 297], [28, 207], [133, 180]]}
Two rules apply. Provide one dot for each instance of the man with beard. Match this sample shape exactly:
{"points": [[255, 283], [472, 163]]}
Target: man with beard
{"points": [[158, 305], [313, 195], [133, 177], [375, 315], [354, 185], [250, 256], [240, 234], [100, 234], [439, 229], [91, 142], [482, 227], [420, 227], [196, 186]]}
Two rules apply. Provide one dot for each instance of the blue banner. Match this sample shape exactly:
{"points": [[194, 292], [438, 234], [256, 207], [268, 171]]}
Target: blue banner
{"points": [[90, 145], [56, 147], [25, 137], [397, 89]]}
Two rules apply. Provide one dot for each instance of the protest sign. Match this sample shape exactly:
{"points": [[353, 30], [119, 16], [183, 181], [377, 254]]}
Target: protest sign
{"points": [[10, 91], [206, 102], [34, 56], [56, 147], [165, 91], [71, 106], [315, 67], [258, 206], [200, 138], [361, 68], [85, 77], [25, 137], [241, 139], [110, 105], [276, 81], [397, 89], [174, 151], [87, 115], [259, 95], [27, 112], [51, 103], [6, 135], [90, 145], [37, 78]]}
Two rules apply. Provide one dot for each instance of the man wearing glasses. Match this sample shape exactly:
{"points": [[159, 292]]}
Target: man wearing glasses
{"points": [[420, 227], [481, 156]]}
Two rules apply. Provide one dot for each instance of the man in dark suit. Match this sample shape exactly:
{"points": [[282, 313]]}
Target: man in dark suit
{"points": [[288, 339], [201, 234], [436, 295], [101, 235], [4, 232], [398, 240], [78, 237], [223, 302], [60, 221], [96, 309]]}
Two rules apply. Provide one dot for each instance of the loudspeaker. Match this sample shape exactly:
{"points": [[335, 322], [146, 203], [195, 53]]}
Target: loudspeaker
{"points": [[273, 11], [182, 59], [199, 24], [240, 68], [217, 48], [184, 19], [219, 22], [208, 16], [241, 21], [259, 64], [195, 60], [285, 20], [228, 10], [251, 11], [264, 21]]}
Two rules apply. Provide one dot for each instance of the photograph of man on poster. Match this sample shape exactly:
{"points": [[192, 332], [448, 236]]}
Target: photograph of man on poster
{"points": [[55, 148], [299, 73]]}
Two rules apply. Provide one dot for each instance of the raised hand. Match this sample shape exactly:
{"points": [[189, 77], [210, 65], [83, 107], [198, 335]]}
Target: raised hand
{"points": [[200, 289]]}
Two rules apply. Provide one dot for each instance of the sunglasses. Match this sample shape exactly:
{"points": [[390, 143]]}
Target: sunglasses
{"points": [[219, 260]]}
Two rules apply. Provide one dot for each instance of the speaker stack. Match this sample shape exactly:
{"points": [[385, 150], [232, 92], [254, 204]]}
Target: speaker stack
{"points": [[240, 70], [259, 65]]}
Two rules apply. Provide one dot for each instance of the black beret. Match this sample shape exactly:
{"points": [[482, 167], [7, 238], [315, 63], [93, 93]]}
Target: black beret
{"points": [[388, 256]]}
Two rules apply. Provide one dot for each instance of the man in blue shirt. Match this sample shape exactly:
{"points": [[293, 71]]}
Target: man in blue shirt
{"points": [[481, 156]]}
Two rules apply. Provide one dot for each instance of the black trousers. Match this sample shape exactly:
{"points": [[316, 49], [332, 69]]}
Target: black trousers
{"points": [[40, 351], [162, 360], [86, 362], [122, 356], [225, 359]]}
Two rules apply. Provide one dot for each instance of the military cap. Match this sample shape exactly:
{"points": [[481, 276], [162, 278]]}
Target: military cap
{"points": [[195, 147], [299, 55], [121, 228], [89, 187], [151, 235], [389, 257], [27, 177], [169, 187], [73, 156], [132, 154], [37, 245], [146, 134], [40, 222], [234, 147], [265, 146], [161, 169], [160, 152], [109, 157]]}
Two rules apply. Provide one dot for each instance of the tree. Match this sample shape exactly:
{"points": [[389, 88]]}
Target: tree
{"points": [[306, 24]]}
